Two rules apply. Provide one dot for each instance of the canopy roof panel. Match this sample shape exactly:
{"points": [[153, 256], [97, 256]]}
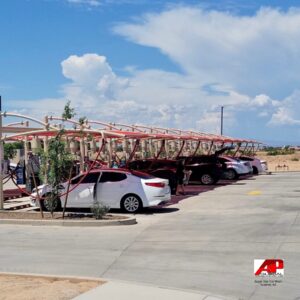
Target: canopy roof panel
{"points": [[114, 131]]}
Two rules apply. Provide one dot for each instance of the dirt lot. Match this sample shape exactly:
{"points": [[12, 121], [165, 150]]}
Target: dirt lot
{"points": [[15, 287], [57, 216], [277, 163]]}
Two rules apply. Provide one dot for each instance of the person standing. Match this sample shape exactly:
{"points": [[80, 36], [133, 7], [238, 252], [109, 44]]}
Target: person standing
{"points": [[180, 176]]}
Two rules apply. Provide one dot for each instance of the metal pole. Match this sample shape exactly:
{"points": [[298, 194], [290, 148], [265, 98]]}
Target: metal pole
{"points": [[222, 110], [1, 159]]}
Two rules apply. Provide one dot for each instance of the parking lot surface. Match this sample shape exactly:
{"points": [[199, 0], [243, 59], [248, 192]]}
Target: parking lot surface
{"points": [[205, 242]]}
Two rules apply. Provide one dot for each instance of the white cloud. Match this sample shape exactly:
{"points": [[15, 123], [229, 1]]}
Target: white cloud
{"points": [[252, 54], [86, 2], [149, 96], [246, 63], [261, 100], [287, 112], [209, 122], [38, 108], [93, 80]]}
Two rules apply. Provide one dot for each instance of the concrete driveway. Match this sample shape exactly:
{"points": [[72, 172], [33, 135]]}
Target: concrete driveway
{"points": [[204, 243]]}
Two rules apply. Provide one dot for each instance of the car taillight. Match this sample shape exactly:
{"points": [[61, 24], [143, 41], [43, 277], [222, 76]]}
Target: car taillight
{"points": [[156, 184]]}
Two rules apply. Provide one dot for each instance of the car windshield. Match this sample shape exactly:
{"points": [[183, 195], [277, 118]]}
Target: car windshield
{"points": [[227, 159]]}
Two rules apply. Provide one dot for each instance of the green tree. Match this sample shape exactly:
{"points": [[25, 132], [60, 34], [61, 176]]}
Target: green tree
{"points": [[82, 120], [68, 112], [10, 149], [56, 163], [56, 166]]}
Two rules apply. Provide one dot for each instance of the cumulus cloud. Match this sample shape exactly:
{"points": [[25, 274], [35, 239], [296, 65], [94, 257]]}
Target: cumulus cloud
{"points": [[249, 64], [261, 100], [92, 80], [145, 96], [252, 54], [287, 112]]}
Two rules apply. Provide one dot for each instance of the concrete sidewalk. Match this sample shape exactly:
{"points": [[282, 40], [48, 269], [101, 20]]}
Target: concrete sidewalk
{"points": [[129, 291]]}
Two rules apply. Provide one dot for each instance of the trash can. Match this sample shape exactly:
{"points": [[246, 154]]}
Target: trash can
{"points": [[20, 175], [29, 185]]}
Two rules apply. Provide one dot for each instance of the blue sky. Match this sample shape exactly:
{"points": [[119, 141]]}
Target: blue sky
{"points": [[170, 63]]}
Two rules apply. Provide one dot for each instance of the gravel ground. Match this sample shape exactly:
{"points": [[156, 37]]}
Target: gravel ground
{"points": [[15, 287]]}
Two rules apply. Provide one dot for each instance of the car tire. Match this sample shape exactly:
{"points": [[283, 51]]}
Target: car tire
{"points": [[207, 179], [131, 203], [231, 174], [46, 206]]}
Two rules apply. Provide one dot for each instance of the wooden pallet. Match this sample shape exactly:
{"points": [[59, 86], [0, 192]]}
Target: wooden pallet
{"points": [[17, 205], [12, 194]]}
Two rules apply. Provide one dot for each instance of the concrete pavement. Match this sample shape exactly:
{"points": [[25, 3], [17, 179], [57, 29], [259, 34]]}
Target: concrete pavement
{"points": [[203, 243], [128, 291]]}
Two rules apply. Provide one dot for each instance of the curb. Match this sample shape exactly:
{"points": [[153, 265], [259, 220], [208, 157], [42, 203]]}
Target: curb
{"points": [[69, 223]]}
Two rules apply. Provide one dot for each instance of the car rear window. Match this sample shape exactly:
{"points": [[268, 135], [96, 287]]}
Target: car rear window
{"points": [[247, 158], [112, 176], [142, 175], [89, 178], [140, 164]]}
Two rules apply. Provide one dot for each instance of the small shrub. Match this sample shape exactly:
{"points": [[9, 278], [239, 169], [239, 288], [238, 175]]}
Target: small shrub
{"points": [[295, 159], [99, 210], [273, 151]]}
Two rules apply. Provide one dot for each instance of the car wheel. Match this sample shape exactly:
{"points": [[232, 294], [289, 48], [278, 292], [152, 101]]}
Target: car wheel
{"points": [[131, 203], [207, 179], [231, 174], [49, 205], [255, 170]]}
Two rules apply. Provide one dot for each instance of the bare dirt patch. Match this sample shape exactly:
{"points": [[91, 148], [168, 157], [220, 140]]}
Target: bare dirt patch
{"points": [[290, 162], [16, 287], [57, 216]]}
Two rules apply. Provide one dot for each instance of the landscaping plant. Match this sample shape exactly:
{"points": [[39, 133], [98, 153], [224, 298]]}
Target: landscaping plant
{"points": [[56, 163], [99, 210], [10, 149]]}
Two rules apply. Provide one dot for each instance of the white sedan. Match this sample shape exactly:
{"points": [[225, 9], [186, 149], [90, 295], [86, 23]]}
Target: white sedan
{"points": [[256, 164], [233, 167], [115, 188]]}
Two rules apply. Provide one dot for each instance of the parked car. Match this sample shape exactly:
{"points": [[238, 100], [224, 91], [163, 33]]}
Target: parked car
{"points": [[162, 168], [254, 162], [264, 165], [116, 188], [206, 169], [233, 167]]}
